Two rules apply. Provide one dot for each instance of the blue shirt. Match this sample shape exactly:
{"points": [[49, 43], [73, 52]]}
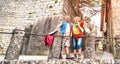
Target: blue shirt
{"points": [[63, 27]]}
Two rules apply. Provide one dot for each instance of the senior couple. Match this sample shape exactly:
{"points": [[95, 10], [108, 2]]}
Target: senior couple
{"points": [[75, 30]]}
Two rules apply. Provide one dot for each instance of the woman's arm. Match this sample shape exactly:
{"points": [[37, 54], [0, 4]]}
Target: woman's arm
{"points": [[82, 23]]}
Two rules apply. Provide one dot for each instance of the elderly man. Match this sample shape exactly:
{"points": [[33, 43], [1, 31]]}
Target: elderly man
{"points": [[64, 28]]}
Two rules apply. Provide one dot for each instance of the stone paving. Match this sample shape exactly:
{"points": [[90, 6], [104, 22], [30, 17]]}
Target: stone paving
{"points": [[101, 58], [104, 55]]}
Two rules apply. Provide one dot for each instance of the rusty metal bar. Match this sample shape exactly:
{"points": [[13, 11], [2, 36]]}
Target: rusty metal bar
{"points": [[60, 35]]}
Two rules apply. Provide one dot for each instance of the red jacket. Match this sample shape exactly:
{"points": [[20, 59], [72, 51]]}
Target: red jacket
{"points": [[48, 39]]}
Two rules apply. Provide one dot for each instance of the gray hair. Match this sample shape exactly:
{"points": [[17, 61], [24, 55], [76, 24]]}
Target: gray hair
{"points": [[67, 16]]}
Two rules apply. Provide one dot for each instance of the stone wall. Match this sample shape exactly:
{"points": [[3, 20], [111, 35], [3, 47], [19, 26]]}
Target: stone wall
{"points": [[115, 17], [68, 8], [116, 26], [20, 13], [43, 26]]}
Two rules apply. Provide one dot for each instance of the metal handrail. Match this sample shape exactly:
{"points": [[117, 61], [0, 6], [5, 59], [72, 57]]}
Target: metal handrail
{"points": [[59, 35]]}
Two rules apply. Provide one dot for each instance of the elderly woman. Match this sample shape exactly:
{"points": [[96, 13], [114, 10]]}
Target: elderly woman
{"points": [[77, 33]]}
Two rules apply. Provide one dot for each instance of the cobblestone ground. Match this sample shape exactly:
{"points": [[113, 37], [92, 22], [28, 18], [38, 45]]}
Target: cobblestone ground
{"points": [[28, 57], [100, 58], [104, 55], [99, 55]]}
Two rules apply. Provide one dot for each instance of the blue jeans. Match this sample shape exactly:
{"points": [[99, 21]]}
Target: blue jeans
{"points": [[77, 44]]}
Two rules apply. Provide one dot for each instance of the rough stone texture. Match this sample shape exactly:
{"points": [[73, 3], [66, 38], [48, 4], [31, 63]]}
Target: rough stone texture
{"points": [[69, 9], [115, 17], [20, 13], [117, 48], [90, 46], [56, 49], [62, 61], [14, 48], [26, 39], [16, 13], [116, 24], [43, 26]]}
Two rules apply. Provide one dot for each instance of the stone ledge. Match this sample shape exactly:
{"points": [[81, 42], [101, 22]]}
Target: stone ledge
{"points": [[62, 61]]}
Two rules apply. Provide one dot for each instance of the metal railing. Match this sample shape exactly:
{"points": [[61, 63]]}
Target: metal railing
{"points": [[104, 40], [59, 35]]}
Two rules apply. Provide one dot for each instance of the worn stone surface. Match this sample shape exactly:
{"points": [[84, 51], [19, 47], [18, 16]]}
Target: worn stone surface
{"points": [[68, 8], [115, 17], [90, 46], [14, 13], [115, 25], [56, 49], [26, 39], [62, 61], [117, 47], [20, 13], [44, 25], [14, 48]]}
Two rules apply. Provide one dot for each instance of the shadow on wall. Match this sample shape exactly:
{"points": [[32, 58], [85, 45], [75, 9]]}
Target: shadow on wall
{"points": [[33, 44]]}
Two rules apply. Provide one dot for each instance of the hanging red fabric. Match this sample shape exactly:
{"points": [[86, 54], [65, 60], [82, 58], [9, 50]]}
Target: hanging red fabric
{"points": [[48, 39]]}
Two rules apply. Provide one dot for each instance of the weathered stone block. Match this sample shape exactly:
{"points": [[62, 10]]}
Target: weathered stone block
{"points": [[44, 25], [14, 48]]}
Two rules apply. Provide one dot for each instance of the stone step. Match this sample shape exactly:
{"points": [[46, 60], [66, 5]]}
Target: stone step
{"points": [[107, 58], [24, 59]]}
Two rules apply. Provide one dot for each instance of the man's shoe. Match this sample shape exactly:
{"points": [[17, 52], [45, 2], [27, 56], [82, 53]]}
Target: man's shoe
{"points": [[68, 56], [75, 56]]}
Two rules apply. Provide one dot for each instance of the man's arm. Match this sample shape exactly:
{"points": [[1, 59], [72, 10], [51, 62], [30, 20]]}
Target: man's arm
{"points": [[53, 31]]}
